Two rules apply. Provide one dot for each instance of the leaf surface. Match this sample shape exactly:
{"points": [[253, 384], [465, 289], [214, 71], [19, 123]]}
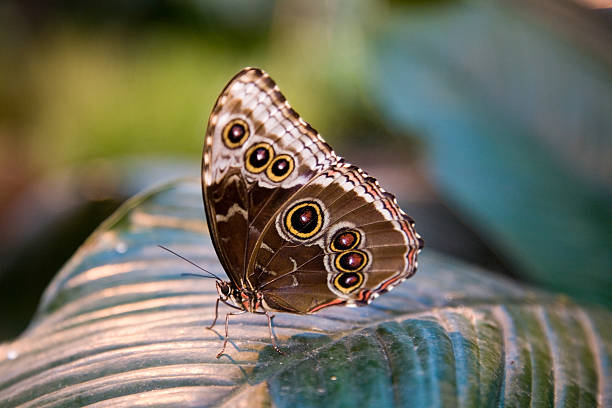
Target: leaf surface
{"points": [[119, 326]]}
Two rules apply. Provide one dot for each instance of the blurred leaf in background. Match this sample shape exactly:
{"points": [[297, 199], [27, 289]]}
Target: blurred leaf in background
{"points": [[514, 102]]}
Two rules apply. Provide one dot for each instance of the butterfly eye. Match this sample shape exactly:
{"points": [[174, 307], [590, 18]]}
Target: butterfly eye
{"points": [[351, 261], [304, 220], [281, 167], [225, 290], [258, 157], [348, 281], [345, 240], [235, 133]]}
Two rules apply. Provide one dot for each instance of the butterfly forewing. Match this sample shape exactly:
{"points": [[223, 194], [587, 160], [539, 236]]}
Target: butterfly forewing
{"points": [[258, 152]]}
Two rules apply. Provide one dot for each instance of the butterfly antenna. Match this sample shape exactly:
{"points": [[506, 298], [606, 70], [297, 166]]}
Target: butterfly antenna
{"points": [[194, 264], [199, 275]]}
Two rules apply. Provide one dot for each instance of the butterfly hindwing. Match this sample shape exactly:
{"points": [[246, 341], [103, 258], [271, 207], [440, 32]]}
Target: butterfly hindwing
{"points": [[258, 152], [340, 240]]}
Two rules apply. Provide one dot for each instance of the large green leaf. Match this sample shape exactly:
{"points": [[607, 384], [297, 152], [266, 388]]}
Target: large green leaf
{"points": [[119, 326], [513, 100]]}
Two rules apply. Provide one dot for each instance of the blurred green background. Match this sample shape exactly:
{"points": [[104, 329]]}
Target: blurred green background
{"points": [[490, 120]]}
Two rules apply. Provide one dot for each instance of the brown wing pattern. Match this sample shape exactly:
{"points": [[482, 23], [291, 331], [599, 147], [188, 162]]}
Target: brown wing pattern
{"points": [[258, 152], [340, 240]]}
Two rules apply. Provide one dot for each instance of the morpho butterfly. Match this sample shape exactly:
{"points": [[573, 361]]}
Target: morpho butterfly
{"points": [[296, 227]]}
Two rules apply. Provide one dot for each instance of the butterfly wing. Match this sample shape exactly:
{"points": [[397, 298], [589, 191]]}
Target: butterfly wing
{"points": [[257, 153], [340, 240]]}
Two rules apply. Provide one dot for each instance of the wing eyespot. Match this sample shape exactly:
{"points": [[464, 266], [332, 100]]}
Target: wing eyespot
{"points": [[304, 220], [280, 168], [235, 133], [345, 240], [351, 261], [348, 282], [258, 157]]}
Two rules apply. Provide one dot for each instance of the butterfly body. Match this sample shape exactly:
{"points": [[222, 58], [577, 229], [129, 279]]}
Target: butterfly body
{"points": [[296, 228]]}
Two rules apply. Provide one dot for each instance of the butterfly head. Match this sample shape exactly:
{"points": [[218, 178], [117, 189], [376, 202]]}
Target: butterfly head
{"points": [[241, 298]]}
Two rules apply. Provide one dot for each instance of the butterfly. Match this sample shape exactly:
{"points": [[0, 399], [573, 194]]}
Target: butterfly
{"points": [[296, 228]]}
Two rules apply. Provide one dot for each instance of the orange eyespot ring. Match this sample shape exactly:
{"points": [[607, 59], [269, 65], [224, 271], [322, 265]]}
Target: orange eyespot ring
{"points": [[345, 240], [347, 282], [258, 157], [280, 168], [235, 133], [351, 261], [304, 220]]}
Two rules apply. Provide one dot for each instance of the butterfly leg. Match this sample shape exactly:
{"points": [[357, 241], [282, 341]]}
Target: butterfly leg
{"points": [[270, 316], [226, 330], [216, 315]]}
